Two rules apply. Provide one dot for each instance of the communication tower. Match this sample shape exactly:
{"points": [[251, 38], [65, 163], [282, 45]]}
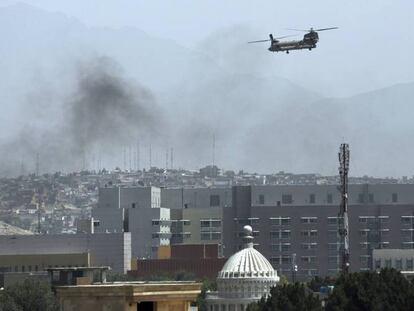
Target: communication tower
{"points": [[343, 210]]}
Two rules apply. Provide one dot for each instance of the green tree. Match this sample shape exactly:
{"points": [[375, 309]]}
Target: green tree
{"points": [[207, 285], [29, 295], [386, 290], [288, 297]]}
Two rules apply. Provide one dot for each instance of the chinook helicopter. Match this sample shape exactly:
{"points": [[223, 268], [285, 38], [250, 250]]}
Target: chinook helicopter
{"points": [[308, 42]]}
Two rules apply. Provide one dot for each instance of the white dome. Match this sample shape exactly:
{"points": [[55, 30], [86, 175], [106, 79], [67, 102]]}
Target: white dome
{"points": [[247, 274], [247, 263]]}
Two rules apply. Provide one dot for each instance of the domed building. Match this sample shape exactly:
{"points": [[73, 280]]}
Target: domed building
{"points": [[245, 278]]}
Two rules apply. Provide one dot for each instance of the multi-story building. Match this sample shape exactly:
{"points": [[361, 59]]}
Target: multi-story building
{"points": [[136, 210], [303, 220]]}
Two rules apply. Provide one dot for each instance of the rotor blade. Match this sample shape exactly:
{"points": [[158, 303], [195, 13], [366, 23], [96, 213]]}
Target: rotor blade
{"points": [[297, 29], [257, 41], [322, 29], [286, 36]]}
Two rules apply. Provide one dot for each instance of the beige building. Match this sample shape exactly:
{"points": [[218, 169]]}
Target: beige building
{"points": [[196, 226], [130, 296]]}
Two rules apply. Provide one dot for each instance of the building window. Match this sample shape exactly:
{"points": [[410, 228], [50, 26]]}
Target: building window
{"points": [[280, 234], [281, 247], [407, 220], [215, 223], [377, 264], [398, 264], [216, 236], [309, 233], [362, 219], [280, 221], [205, 236], [214, 200], [394, 197], [407, 245], [388, 263], [329, 199], [383, 219], [287, 199], [334, 246], [409, 264], [312, 198], [309, 245], [364, 260], [261, 199], [308, 259], [309, 220], [384, 244], [371, 198]]}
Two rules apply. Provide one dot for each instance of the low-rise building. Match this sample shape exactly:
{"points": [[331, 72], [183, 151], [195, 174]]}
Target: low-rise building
{"points": [[38, 252]]}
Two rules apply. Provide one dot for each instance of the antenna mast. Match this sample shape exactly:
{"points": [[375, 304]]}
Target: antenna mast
{"points": [[343, 210]]}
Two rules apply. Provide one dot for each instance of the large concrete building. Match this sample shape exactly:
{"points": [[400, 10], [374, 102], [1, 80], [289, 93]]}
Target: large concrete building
{"points": [[157, 217], [136, 210], [27, 253], [303, 220], [289, 221]]}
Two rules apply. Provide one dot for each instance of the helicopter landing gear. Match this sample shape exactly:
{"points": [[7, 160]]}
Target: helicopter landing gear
{"points": [[310, 49], [287, 52]]}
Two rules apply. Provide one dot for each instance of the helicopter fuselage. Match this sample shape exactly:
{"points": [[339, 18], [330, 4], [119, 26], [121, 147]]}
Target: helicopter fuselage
{"points": [[290, 45], [309, 42]]}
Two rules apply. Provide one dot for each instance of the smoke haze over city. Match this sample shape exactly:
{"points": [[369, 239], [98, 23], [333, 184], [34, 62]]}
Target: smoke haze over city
{"points": [[83, 93]]}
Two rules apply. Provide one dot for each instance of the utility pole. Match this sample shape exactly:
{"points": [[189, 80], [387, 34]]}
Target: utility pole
{"points": [[214, 149], [37, 164], [172, 158], [343, 210], [150, 156]]}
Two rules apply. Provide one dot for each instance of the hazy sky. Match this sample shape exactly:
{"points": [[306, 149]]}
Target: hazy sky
{"points": [[372, 49]]}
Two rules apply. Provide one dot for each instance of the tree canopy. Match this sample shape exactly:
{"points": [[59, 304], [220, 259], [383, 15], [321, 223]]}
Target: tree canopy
{"points": [[387, 290], [29, 295], [288, 297]]}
